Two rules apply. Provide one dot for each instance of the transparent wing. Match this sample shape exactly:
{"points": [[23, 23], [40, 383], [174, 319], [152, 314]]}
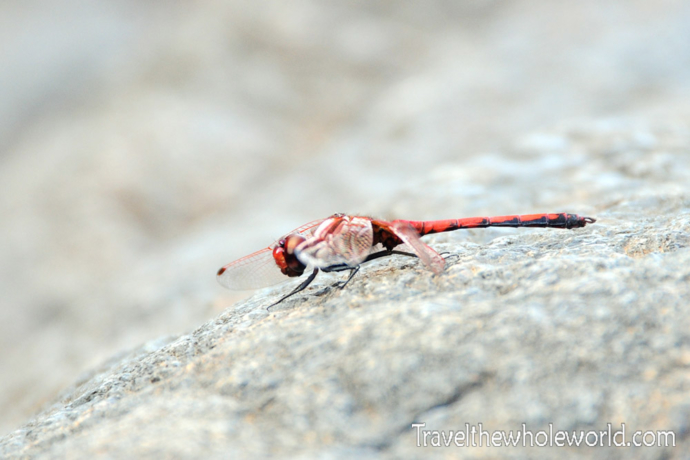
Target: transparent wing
{"points": [[306, 230], [259, 269], [410, 237], [338, 240], [251, 272]]}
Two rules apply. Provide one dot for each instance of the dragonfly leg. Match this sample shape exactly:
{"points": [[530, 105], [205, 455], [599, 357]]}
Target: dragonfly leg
{"points": [[299, 288], [447, 255], [342, 268], [353, 270], [376, 255]]}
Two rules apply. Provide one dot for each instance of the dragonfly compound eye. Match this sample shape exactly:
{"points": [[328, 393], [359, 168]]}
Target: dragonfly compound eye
{"points": [[284, 256], [292, 241], [279, 256]]}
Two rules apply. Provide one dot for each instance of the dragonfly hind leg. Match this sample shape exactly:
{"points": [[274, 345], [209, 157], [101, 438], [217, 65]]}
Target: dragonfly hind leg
{"points": [[342, 268], [447, 255], [354, 270], [342, 284], [385, 253]]}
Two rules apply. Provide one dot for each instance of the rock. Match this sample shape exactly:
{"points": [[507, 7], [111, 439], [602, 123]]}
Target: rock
{"points": [[145, 144], [572, 330]]}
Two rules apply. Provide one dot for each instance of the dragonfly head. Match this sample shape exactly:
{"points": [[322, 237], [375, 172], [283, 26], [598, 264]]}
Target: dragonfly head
{"points": [[284, 255]]}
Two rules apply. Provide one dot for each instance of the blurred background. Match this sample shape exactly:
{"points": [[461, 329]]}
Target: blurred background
{"points": [[145, 144]]}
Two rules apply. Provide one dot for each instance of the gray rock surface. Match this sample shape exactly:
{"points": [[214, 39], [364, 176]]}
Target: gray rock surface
{"points": [[143, 145], [575, 328]]}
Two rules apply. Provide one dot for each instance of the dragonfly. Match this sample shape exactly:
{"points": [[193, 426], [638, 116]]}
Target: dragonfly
{"points": [[343, 242]]}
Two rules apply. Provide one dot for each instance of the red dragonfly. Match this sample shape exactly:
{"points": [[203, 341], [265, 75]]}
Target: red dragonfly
{"points": [[342, 242]]}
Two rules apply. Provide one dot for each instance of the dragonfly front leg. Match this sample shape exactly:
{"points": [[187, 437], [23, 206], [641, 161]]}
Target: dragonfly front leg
{"points": [[299, 288]]}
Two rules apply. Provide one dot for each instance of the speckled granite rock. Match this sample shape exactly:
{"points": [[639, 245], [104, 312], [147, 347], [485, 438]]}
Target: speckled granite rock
{"points": [[574, 328], [144, 144]]}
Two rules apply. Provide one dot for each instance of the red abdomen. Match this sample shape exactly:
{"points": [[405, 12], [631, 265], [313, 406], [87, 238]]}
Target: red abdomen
{"points": [[559, 220]]}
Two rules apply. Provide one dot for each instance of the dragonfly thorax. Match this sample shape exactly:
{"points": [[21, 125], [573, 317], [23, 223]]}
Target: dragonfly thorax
{"points": [[284, 255]]}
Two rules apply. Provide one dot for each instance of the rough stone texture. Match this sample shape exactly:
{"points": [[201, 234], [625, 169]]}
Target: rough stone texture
{"points": [[576, 328], [143, 145]]}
